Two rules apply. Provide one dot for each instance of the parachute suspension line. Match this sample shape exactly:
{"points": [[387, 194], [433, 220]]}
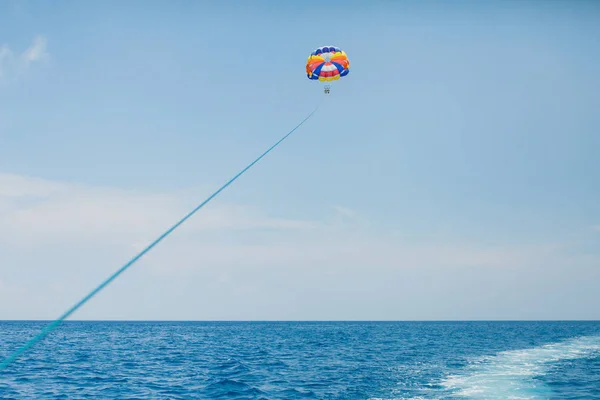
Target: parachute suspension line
{"points": [[55, 323]]}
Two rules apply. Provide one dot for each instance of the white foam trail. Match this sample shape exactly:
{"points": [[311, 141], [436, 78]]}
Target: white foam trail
{"points": [[511, 374]]}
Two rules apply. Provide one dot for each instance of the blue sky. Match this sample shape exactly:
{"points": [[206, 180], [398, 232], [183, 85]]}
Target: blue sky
{"points": [[453, 174]]}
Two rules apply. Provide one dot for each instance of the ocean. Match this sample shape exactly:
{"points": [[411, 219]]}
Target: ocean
{"points": [[304, 360]]}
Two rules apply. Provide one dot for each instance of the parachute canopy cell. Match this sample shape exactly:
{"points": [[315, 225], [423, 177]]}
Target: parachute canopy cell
{"points": [[327, 63]]}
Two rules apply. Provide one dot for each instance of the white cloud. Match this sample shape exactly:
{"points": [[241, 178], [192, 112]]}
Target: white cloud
{"points": [[58, 240], [37, 51], [13, 64], [12, 185], [345, 211], [34, 210]]}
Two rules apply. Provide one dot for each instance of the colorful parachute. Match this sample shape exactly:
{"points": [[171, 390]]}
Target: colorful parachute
{"points": [[327, 64]]}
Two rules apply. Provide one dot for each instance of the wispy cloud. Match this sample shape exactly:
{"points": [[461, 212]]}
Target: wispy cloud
{"points": [[14, 63], [15, 186], [239, 258], [37, 51], [34, 209], [348, 212]]}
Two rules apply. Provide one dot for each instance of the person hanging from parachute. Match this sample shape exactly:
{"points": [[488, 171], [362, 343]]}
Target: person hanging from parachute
{"points": [[326, 64]]}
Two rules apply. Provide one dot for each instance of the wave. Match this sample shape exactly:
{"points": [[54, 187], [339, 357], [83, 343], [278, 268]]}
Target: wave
{"points": [[515, 374]]}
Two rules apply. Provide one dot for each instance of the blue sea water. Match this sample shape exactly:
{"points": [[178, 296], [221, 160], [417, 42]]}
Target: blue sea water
{"points": [[304, 360]]}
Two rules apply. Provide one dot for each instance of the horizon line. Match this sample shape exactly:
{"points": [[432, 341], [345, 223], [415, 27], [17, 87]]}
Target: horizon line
{"points": [[305, 320]]}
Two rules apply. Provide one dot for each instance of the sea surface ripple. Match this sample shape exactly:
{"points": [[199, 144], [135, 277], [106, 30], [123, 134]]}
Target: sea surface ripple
{"points": [[303, 360]]}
